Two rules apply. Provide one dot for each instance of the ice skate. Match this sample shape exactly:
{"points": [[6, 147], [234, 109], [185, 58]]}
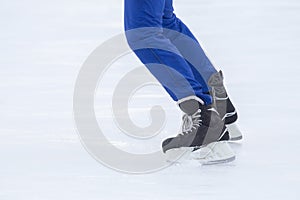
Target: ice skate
{"points": [[224, 105], [202, 126]]}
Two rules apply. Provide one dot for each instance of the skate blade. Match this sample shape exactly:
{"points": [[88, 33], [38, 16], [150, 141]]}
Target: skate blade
{"points": [[234, 132], [214, 153], [222, 161], [178, 155]]}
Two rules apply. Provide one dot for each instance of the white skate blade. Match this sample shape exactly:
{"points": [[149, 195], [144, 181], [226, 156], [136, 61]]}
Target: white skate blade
{"points": [[214, 153], [234, 132], [178, 155]]}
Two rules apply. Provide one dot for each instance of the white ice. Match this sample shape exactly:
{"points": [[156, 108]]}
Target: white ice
{"points": [[44, 44]]}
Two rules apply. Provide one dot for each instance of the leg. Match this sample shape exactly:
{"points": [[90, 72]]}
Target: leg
{"points": [[201, 65], [145, 13], [204, 71]]}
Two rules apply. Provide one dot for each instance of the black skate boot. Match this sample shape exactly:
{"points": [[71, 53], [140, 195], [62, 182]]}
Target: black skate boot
{"points": [[202, 125], [223, 105]]}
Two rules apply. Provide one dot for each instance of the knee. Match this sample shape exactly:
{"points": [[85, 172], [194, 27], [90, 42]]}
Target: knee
{"points": [[169, 20], [142, 37]]}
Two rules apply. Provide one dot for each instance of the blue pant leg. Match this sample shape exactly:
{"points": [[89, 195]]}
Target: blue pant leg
{"points": [[145, 13], [202, 66]]}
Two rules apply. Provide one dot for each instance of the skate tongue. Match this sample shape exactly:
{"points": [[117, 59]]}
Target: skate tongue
{"points": [[190, 106]]}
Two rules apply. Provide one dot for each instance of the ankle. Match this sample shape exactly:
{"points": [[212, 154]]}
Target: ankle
{"points": [[191, 104]]}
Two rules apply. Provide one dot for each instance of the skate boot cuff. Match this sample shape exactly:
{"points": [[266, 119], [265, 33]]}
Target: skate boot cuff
{"points": [[216, 82]]}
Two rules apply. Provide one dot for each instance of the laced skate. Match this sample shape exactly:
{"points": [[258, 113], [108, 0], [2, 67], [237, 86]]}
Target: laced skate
{"points": [[202, 129], [201, 125]]}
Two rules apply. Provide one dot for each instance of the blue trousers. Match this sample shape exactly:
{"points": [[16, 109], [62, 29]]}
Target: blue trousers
{"points": [[168, 64]]}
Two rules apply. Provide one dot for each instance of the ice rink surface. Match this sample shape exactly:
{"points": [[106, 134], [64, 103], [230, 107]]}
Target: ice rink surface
{"points": [[43, 45]]}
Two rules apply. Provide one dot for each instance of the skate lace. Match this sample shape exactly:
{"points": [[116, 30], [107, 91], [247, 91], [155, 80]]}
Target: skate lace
{"points": [[191, 122]]}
